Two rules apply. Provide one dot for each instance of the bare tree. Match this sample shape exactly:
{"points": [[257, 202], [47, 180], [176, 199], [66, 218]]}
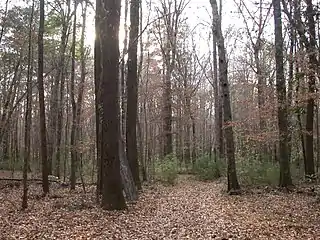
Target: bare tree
{"points": [[28, 117], [132, 91], [285, 176], [233, 185], [42, 111], [74, 154], [112, 196]]}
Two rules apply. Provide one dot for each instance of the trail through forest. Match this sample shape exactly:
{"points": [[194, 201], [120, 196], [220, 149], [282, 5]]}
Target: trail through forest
{"points": [[188, 210]]}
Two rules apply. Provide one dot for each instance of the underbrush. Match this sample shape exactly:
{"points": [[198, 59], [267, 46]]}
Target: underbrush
{"points": [[166, 170], [206, 168], [258, 173], [251, 171]]}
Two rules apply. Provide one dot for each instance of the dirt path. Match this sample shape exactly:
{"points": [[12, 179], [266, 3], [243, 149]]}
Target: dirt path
{"points": [[190, 210]]}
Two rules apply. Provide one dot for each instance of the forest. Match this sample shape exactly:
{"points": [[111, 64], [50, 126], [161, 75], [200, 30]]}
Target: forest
{"points": [[159, 119]]}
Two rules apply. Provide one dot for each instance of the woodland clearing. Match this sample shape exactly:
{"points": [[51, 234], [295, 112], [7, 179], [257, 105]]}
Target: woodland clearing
{"points": [[188, 210]]}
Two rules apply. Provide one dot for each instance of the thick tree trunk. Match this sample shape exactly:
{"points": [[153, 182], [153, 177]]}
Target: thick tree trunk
{"points": [[112, 196]]}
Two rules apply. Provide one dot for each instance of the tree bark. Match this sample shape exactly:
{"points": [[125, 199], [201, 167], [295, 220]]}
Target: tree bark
{"points": [[28, 116], [112, 196], [312, 54], [233, 184], [74, 154], [285, 175], [42, 112], [98, 99], [132, 91]]}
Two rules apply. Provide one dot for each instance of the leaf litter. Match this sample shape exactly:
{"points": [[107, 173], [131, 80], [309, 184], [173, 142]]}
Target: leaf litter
{"points": [[188, 210]]}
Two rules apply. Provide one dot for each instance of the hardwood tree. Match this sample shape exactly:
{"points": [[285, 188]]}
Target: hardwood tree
{"points": [[42, 111], [313, 66], [112, 196], [28, 113], [132, 93], [233, 184], [285, 176], [74, 155], [98, 98], [307, 38]]}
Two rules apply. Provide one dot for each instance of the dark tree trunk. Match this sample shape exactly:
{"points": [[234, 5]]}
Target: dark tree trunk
{"points": [[74, 154], [285, 176], [312, 53], [112, 196], [132, 93], [98, 100], [61, 75], [28, 116], [42, 112], [233, 184], [217, 105]]}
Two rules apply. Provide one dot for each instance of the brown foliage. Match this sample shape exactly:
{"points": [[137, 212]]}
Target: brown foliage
{"points": [[189, 210]]}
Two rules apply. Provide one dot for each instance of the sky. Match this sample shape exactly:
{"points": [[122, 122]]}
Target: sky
{"points": [[197, 11]]}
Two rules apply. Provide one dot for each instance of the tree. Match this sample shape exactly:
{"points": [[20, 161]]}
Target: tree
{"points": [[28, 117], [42, 111], [73, 140], [313, 65], [233, 184], [112, 196], [132, 91], [255, 35], [98, 98], [285, 176], [167, 31], [308, 41]]}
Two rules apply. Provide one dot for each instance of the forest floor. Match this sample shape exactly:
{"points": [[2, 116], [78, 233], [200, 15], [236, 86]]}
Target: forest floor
{"points": [[188, 210]]}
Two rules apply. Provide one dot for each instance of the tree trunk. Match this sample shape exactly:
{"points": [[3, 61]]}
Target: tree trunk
{"points": [[285, 176], [218, 148], [98, 99], [74, 154], [28, 116], [42, 112], [112, 196], [132, 93], [61, 75], [312, 53], [233, 184]]}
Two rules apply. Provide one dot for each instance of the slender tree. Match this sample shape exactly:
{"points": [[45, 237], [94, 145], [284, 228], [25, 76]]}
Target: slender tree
{"points": [[313, 65], [74, 154], [42, 111], [98, 102], [285, 176], [28, 117], [132, 91], [233, 184]]}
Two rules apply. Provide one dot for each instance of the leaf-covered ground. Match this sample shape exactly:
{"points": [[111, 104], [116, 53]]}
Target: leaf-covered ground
{"points": [[189, 210]]}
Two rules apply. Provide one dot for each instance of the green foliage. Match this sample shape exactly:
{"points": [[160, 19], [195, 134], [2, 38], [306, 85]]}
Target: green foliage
{"points": [[207, 168], [166, 170], [255, 172]]}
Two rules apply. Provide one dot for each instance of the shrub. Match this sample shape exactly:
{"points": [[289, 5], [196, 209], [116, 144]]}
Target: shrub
{"points": [[166, 170], [206, 168], [255, 172]]}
